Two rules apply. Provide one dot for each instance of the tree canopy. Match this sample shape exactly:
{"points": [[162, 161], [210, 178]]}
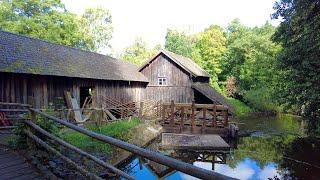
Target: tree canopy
{"points": [[139, 52], [49, 20], [298, 33]]}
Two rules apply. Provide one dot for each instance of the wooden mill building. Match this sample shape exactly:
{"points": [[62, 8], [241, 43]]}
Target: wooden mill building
{"points": [[36, 72], [178, 78]]}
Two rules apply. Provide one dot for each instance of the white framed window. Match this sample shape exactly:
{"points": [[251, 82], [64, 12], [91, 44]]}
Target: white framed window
{"points": [[162, 81]]}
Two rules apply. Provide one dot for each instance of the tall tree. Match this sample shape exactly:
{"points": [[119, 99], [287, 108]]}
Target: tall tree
{"points": [[44, 19], [211, 46], [180, 43], [299, 35], [100, 28], [139, 52]]}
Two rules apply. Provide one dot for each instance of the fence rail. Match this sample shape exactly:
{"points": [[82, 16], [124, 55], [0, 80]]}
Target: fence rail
{"points": [[191, 114], [145, 153]]}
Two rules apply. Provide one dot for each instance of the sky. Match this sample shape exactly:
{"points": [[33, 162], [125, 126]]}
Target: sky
{"points": [[150, 19]]}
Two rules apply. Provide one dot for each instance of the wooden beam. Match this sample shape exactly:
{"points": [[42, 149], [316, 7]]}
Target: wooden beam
{"points": [[79, 151], [57, 153], [172, 114], [146, 153]]}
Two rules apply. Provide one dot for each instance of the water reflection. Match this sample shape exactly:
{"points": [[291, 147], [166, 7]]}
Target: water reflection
{"points": [[281, 151]]}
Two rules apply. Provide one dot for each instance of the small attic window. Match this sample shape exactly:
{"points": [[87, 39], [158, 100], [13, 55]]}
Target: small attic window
{"points": [[162, 81]]}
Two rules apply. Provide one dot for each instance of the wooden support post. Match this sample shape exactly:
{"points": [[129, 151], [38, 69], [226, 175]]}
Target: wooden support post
{"points": [[33, 117], [226, 114], [182, 118], [214, 116], [159, 108], [145, 153], [172, 114], [193, 123], [163, 113], [204, 111], [141, 109]]}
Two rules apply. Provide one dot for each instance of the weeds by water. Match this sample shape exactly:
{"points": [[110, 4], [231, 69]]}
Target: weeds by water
{"points": [[119, 130], [241, 108]]}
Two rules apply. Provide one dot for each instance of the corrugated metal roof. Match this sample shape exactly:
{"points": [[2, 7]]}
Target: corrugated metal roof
{"points": [[21, 54]]}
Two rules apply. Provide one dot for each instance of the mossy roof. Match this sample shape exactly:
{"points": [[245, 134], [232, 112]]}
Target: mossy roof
{"points": [[22, 54], [185, 63]]}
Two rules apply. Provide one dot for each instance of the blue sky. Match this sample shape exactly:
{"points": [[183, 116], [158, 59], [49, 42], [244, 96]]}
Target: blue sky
{"points": [[150, 19]]}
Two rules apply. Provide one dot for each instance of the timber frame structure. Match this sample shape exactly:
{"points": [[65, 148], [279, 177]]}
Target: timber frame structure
{"points": [[185, 81]]}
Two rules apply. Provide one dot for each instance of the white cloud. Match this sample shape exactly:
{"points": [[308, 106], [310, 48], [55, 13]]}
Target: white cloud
{"points": [[150, 19], [268, 172]]}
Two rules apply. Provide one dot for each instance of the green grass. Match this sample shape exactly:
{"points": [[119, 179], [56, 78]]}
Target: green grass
{"points": [[119, 130], [241, 108]]}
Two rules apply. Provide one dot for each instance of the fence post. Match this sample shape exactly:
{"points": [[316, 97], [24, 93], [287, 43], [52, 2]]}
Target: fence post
{"points": [[226, 114], [204, 118], [141, 110], [163, 113], [193, 123], [172, 113], [33, 117], [214, 116], [182, 118]]}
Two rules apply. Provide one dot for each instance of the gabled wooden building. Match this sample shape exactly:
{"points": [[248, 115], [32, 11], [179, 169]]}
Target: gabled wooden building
{"points": [[174, 77], [38, 72]]}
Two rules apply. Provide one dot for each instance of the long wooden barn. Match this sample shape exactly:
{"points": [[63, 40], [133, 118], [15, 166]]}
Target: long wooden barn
{"points": [[37, 72], [178, 78]]}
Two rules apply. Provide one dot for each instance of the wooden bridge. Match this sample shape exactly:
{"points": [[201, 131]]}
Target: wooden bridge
{"points": [[195, 118], [37, 137]]}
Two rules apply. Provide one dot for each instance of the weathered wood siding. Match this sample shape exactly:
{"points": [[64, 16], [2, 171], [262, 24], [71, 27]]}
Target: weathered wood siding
{"points": [[178, 81], [41, 90]]}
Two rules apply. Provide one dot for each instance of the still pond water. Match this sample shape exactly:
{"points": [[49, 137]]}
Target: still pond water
{"points": [[276, 149]]}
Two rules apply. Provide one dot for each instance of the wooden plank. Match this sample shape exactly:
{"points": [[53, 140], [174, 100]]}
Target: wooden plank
{"points": [[110, 115], [193, 142], [151, 155]]}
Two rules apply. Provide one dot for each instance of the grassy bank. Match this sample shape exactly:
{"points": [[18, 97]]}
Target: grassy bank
{"points": [[119, 130], [241, 108]]}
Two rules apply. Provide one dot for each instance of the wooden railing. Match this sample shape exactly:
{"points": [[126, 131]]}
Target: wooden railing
{"points": [[33, 129], [191, 114]]}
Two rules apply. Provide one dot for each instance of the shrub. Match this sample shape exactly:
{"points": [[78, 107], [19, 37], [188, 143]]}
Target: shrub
{"points": [[260, 99], [241, 108]]}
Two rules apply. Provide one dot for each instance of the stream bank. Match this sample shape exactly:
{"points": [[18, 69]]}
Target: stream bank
{"points": [[277, 148]]}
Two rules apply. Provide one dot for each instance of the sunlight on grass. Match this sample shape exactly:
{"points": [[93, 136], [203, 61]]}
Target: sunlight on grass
{"points": [[119, 130]]}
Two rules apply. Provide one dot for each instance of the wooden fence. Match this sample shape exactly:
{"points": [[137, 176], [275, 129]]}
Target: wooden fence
{"points": [[33, 129], [194, 115]]}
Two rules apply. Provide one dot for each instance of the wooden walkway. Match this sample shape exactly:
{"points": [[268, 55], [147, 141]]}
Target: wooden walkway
{"points": [[194, 142], [14, 167]]}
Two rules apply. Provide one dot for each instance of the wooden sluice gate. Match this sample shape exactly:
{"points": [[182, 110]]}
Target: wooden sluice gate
{"points": [[193, 126], [191, 118]]}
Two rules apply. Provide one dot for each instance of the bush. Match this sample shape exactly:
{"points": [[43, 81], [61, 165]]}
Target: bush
{"points": [[241, 108], [260, 99]]}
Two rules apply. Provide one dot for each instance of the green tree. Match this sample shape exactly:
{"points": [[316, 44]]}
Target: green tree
{"points": [[251, 58], [99, 24], [299, 35], [211, 46], [48, 20], [139, 52], [180, 43]]}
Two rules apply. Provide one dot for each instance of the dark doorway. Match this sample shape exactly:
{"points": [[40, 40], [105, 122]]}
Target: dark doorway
{"points": [[85, 93], [199, 98]]}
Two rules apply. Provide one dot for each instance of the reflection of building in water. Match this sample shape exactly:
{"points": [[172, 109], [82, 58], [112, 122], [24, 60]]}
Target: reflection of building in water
{"points": [[161, 171]]}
